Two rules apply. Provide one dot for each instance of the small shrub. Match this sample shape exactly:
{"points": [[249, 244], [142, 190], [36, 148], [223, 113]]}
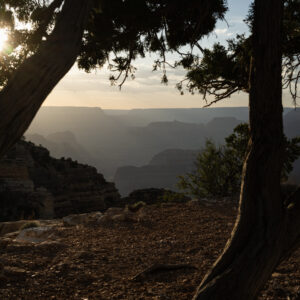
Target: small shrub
{"points": [[29, 225], [136, 206]]}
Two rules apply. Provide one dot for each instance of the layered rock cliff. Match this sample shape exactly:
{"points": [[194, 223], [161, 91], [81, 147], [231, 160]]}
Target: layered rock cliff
{"points": [[35, 185]]}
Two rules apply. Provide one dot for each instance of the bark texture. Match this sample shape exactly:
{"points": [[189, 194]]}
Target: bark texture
{"points": [[38, 75], [265, 231]]}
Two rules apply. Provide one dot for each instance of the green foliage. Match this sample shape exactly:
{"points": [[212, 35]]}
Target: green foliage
{"points": [[122, 31], [35, 19], [223, 71], [218, 169], [118, 31], [212, 175]]}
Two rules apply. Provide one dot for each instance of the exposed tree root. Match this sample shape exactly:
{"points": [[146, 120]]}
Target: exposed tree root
{"points": [[161, 268]]}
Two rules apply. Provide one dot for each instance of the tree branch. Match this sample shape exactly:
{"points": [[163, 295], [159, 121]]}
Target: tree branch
{"points": [[38, 75], [161, 268]]}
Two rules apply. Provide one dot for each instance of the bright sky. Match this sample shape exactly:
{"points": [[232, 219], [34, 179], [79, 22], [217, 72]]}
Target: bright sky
{"points": [[81, 89]]}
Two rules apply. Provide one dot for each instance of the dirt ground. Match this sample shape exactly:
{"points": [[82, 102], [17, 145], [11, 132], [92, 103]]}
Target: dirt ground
{"points": [[100, 261]]}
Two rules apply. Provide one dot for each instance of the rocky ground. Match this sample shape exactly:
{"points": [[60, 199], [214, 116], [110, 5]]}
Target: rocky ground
{"points": [[100, 260]]}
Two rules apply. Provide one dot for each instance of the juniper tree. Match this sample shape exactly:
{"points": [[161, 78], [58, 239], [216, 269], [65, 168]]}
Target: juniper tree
{"points": [[224, 69], [266, 230]]}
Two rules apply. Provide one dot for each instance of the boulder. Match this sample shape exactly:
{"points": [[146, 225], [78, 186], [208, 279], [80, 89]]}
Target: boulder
{"points": [[120, 218], [113, 211], [82, 219], [8, 227], [36, 234]]}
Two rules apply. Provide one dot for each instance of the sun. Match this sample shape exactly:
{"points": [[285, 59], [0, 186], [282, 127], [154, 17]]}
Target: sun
{"points": [[3, 38]]}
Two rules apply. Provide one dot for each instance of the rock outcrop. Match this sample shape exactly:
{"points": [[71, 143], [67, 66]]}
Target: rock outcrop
{"points": [[35, 185]]}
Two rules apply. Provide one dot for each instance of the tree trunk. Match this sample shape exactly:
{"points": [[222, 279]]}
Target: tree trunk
{"points": [[37, 76], [259, 239]]}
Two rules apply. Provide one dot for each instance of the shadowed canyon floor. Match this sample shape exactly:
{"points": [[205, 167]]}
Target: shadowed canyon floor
{"points": [[99, 261]]}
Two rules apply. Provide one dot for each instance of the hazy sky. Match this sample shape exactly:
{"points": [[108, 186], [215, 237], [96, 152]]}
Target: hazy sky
{"points": [[81, 89]]}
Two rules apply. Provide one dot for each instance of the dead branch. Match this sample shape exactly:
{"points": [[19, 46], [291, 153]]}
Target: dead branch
{"points": [[162, 268]]}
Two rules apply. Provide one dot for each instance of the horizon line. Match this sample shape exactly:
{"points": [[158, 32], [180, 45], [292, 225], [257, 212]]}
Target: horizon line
{"points": [[153, 108]]}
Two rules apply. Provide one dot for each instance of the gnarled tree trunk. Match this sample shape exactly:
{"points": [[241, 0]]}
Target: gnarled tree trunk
{"points": [[38, 75], [265, 230]]}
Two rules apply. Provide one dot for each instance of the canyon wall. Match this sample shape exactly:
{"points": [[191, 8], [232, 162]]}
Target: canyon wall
{"points": [[35, 185]]}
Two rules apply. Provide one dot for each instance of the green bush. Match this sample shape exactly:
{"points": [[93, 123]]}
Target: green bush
{"points": [[218, 169]]}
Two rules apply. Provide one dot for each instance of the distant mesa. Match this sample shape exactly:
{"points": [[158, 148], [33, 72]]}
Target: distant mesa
{"points": [[113, 139], [161, 172], [172, 157], [139, 149], [109, 139]]}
